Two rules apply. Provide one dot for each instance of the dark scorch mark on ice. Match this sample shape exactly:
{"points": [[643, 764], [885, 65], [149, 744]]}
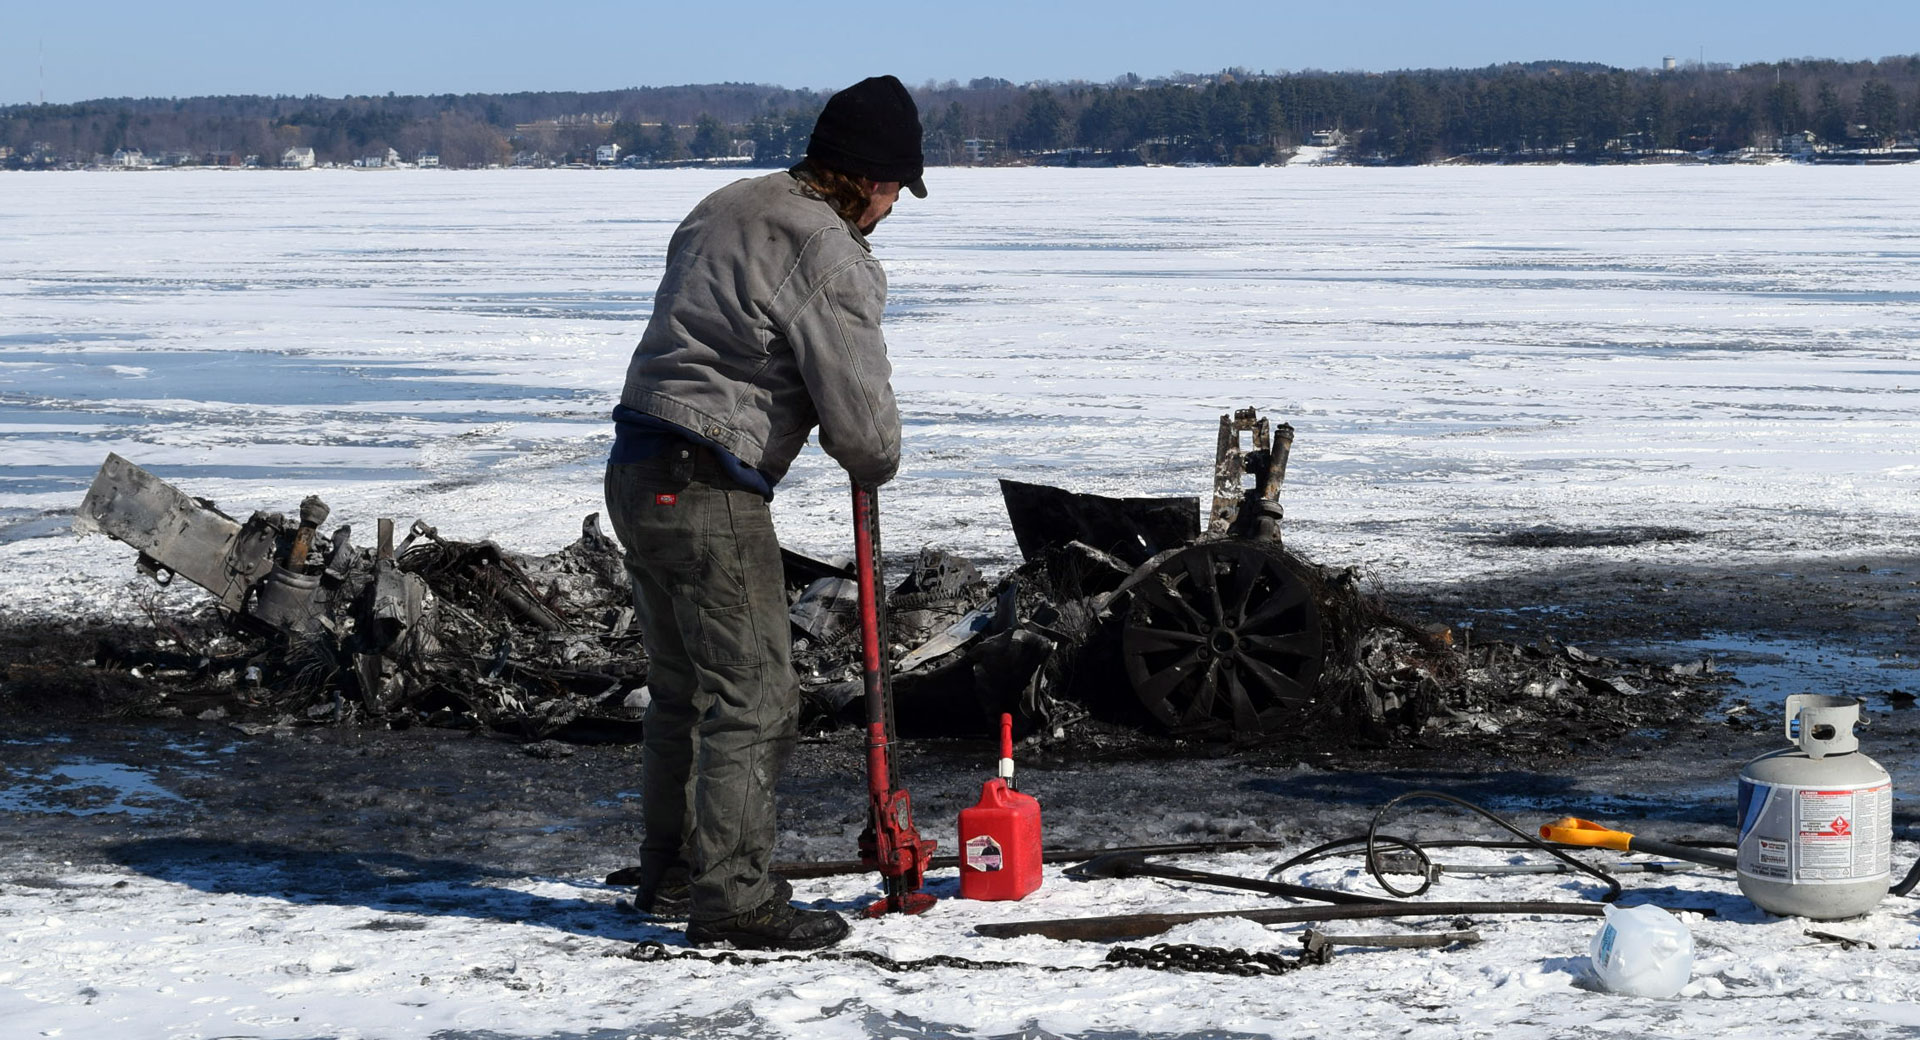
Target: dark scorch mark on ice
{"points": [[1588, 538]]}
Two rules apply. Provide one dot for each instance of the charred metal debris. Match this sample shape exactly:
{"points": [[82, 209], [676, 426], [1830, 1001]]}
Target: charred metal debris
{"points": [[1128, 616]]}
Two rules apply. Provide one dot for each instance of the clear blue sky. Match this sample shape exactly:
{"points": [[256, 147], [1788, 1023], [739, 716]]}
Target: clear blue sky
{"points": [[111, 48]]}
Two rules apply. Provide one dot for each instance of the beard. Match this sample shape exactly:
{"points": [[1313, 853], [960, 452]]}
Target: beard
{"points": [[867, 229]]}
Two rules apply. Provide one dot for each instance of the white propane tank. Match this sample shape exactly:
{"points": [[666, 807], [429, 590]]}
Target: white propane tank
{"points": [[1816, 820]]}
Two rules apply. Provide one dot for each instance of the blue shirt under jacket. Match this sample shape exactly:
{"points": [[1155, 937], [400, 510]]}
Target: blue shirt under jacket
{"points": [[638, 436]]}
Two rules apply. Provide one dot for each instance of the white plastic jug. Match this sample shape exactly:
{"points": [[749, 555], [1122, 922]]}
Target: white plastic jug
{"points": [[1642, 951]]}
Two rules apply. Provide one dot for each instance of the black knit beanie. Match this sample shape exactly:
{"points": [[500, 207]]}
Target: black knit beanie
{"points": [[872, 130]]}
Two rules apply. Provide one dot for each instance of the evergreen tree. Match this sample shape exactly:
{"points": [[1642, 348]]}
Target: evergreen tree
{"points": [[1655, 115], [665, 144], [710, 140], [1229, 118], [947, 135], [1101, 124], [1182, 120], [1783, 108], [1829, 115], [1407, 121], [1879, 106], [632, 138], [1042, 127]]}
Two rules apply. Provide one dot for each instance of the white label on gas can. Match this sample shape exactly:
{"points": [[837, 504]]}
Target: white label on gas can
{"points": [[1815, 835], [982, 853]]}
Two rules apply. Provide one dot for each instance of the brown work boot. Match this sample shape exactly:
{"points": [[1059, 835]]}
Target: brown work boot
{"points": [[773, 925]]}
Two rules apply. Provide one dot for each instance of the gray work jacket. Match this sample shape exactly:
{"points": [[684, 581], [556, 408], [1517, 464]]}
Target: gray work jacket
{"points": [[766, 324]]}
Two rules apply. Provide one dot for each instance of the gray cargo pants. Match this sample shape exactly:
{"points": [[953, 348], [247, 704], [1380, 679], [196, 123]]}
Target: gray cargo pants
{"points": [[724, 715]]}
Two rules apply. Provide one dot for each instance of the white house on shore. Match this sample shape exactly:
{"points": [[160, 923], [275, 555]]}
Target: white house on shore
{"points": [[129, 157], [297, 159], [606, 154], [1803, 142]]}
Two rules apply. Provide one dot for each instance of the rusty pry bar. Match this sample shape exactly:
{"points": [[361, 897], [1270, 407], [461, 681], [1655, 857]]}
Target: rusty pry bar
{"points": [[891, 843], [1238, 509]]}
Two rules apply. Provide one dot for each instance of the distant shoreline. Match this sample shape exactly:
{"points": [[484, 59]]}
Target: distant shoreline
{"points": [[1817, 110], [1900, 158]]}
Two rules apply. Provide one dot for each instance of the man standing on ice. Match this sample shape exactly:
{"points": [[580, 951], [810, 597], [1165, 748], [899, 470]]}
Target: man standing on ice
{"points": [[766, 324]]}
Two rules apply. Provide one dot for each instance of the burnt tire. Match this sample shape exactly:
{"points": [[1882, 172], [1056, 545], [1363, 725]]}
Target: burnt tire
{"points": [[1224, 638]]}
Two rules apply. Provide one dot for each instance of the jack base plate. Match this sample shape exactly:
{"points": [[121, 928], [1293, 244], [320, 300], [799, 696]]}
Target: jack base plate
{"points": [[903, 903]]}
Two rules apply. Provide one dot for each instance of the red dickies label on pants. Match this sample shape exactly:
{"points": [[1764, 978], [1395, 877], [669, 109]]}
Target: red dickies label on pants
{"points": [[665, 500]]}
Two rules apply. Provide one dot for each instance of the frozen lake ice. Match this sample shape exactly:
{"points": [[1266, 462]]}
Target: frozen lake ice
{"points": [[1462, 350]]}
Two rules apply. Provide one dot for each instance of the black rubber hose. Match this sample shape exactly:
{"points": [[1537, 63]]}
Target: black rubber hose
{"points": [[1339, 846], [1123, 865], [1674, 850], [1906, 884], [1426, 882]]}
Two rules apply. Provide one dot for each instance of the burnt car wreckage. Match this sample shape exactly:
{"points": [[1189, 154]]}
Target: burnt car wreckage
{"points": [[1126, 617]]}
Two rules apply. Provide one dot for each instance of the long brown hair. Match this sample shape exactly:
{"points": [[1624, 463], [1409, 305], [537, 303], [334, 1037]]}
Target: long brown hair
{"points": [[847, 194]]}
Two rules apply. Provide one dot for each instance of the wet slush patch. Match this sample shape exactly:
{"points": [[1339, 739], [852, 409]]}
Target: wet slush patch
{"points": [[1768, 670], [18, 525], [254, 378], [109, 396], [84, 788], [40, 480]]}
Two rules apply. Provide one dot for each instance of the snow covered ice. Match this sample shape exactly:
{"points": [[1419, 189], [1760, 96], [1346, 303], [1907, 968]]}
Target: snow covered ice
{"points": [[224, 949], [1463, 352]]}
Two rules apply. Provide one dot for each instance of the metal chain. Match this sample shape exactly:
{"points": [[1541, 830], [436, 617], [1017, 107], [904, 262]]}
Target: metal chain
{"points": [[656, 951], [1214, 960], [1182, 957]]}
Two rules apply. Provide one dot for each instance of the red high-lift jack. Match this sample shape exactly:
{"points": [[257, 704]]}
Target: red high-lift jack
{"points": [[891, 844]]}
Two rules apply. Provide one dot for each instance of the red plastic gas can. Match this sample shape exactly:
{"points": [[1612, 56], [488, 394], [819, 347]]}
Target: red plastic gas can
{"points": [[1000, 836]]}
